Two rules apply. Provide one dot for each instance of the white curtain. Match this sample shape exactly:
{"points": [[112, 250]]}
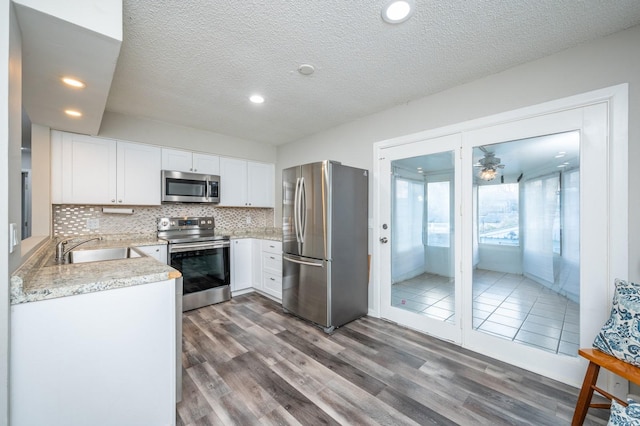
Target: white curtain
{"points": [[540, 212], [570, 265], [407, 251]]}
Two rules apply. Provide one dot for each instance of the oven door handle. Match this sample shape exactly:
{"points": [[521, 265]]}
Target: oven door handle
{"points": [[177, 248]]}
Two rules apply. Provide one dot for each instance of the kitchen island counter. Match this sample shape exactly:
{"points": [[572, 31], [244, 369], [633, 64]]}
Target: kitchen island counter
{"points": [[40, 279]]}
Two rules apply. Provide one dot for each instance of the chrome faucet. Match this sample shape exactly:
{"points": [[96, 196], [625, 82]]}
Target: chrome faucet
{"points": [[62, 251]]}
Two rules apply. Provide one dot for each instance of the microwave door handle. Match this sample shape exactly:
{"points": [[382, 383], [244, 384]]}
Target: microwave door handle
{"points": [[207, 189]]}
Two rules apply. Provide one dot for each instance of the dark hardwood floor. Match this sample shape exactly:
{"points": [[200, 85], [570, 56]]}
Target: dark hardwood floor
{"points": [[246, 362]]}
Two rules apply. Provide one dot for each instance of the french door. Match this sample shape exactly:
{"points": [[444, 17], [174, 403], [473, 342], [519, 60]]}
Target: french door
{"points": [[423, 286], [486, 254]]}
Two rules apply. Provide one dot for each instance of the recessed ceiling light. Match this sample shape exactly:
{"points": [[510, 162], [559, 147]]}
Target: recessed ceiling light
{"points": [[73, 113], [397, 11], [256, 99], [70, 81]]}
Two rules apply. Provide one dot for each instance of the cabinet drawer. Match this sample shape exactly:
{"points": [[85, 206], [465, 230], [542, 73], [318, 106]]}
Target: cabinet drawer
{"points": [[272, 246], [272, 262], [272, 284]]}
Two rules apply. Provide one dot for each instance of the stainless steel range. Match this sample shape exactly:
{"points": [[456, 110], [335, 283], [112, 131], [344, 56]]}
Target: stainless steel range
{"points": [[201, 256]]}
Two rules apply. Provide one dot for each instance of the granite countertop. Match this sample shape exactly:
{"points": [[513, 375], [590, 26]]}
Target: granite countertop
{"points": [[39, 278], [273, 234]]}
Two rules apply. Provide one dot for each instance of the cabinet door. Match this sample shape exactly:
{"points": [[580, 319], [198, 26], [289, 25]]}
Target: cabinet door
{"points": [[176, 159], [206, 164], [158, 252], [260, 184], [241, 275], [138, 174], [88, 169], [256, 256], [233, 182]]}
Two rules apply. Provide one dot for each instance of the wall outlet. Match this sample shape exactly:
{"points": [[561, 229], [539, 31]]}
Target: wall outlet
{"points": [[93, 223]]}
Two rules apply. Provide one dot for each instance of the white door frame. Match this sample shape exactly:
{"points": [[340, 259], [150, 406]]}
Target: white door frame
{"points": [[616, 264]]}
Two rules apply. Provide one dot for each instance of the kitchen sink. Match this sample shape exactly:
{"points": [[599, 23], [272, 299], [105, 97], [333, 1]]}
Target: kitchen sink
{"points": [[102, 254]]}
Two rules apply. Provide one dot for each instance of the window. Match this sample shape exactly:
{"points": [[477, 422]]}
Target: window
{"points": [[498, 214], [438, 215], [409, 204]]}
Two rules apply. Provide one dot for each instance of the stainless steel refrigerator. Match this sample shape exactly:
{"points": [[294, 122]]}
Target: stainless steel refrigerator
{"points": [[325, 259]]}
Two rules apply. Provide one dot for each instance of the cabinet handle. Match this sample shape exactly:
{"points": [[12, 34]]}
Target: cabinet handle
{"points": [[195, 170], [119, 201], [272, 257], [272, 279], [113, 201]]}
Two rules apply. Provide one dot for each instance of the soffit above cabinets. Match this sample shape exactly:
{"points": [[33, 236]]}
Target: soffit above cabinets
{"points": [[52, 48]]}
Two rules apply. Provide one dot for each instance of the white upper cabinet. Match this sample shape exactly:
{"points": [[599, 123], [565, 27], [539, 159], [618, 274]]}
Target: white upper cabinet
{"points": [[260, 185], [193, 162], [205, 163], [246, 183], [233, 182], [89, 170], [138, 174]]}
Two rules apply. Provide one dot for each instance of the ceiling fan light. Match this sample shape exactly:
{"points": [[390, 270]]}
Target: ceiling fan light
{"points": [[488, 174]]}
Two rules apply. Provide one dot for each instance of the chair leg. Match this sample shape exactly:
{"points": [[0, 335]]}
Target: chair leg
{"points": [[586, 393]]}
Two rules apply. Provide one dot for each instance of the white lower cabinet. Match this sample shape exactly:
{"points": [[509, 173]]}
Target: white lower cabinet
{"points": [[241, 261], [102, 358], [256, 264], [158, 252], [272, 268]]}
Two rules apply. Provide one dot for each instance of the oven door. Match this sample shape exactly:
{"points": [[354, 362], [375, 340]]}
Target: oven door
{"points": [[205, 271]]}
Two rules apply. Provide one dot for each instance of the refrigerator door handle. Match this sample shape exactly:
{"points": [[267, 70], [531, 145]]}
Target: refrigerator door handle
{"points": [[302, 262], [296, 208], [303, 209]]}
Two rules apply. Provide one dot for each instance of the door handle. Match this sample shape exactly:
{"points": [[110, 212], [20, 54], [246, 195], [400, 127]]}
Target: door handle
{"points": [[384, 240]]}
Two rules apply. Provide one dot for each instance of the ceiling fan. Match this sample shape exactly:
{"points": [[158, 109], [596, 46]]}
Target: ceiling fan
{"points": [[489, 163]]}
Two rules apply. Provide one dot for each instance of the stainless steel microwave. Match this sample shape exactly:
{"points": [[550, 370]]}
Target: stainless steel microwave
{"points": [[184, 187]]}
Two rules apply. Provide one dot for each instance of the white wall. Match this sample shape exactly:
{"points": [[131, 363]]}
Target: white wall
{"points": [[602, 63], [10, 129], [120, 126]]}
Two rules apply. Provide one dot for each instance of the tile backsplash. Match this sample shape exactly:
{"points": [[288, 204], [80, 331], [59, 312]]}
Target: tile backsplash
{"points": [[71, 220]]}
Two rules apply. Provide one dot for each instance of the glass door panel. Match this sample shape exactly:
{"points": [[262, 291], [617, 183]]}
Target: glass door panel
{"points": [[422, 253], [526, 283]]}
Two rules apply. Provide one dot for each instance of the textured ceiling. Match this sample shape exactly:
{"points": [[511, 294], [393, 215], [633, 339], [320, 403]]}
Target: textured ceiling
{"points": [[195, 62]]}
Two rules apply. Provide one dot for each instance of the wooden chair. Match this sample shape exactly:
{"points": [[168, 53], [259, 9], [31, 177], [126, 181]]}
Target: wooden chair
{"points": [[599, 359]]}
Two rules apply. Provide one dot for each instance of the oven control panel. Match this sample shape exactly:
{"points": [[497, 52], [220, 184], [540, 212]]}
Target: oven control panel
{"points": [[183, 223]]}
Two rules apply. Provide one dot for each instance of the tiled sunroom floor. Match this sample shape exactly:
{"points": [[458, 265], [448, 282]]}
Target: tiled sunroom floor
{"points": [[506, 305]]}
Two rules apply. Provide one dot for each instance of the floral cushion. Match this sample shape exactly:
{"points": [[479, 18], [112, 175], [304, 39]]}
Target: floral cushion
{"points": [[624, 416], [620, 335]]}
